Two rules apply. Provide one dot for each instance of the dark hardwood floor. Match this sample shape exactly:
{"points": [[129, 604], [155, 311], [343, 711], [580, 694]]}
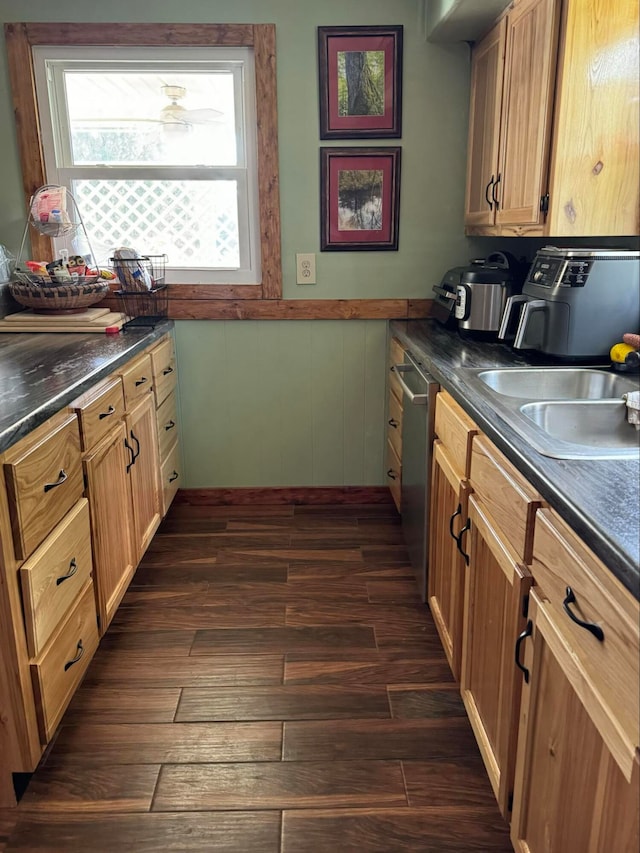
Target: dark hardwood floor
{"points": [[270, 684]]}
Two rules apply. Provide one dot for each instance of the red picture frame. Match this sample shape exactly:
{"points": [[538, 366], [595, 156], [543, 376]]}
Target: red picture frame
{"points": [[360, 82], [360, 199]]}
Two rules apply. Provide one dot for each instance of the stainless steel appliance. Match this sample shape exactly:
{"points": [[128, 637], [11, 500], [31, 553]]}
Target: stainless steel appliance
{"points": [[576, 303], [475, 295], [419, 396]]}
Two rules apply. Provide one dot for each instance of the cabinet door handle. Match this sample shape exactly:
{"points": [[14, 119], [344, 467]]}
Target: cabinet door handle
{"points": [[486, 193], [73, 568], [79, 653], [141, 381], [528, 631], [110, 411], [62, 476], [167, 371], [393, 423], [132, 458], [136, 452], [451, 520], [494, 195], [391, 474], [173, 476], [596, 630], [169, 426], [458, 539]]}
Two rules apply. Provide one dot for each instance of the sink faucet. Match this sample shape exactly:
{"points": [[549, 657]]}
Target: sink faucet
{"points": [[632, 402]]}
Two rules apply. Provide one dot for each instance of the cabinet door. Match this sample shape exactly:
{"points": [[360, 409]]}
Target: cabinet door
{"points": [[490, 685], [144, 474], [527, 109], [487, 72], [570, 795], [111, 510]]}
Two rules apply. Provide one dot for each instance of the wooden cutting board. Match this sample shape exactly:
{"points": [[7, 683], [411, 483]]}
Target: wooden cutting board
{"points": [[72, 323], [86, 316]]}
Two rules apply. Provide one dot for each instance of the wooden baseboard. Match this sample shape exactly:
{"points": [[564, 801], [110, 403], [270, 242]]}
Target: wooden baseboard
{"points": [[299, 495]]}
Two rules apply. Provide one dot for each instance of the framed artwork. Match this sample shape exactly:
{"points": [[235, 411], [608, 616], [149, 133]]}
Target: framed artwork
{"points": [[360, 199], [360, 77]]}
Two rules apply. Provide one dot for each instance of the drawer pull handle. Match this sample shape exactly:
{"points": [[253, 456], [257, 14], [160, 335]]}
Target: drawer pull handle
{"points": [[167, 371], [458, 539], [73, 568], [136, 452], [596, 630], [451, 520], [391, 474], [62, 476], [393, 423], [132, 458], [528, 631], [79, 653], [173, 476], [486, 193], [110, 411], [169, 426], [141, 381]]}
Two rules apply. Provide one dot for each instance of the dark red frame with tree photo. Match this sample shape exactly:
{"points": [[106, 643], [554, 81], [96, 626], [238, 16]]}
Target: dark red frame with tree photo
{"points": [[360, 198], [360, 80]]}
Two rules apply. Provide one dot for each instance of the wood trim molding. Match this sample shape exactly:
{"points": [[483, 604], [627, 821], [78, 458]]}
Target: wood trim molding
{"points": [[21, 37], [311, 495]]}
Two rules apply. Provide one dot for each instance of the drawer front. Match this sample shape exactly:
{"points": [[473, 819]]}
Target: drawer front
{"points": [[394, 474], [455, 429], [394, 425], [98, 410], [396, 356], [44, 480], [171, 477], [562, 561], [167, 420], [510, 500], [58, 671], [163, 363], [54, 575], [137, 378]]}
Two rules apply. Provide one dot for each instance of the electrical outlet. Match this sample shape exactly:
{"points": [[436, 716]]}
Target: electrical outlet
{"points": [[306, 268]]}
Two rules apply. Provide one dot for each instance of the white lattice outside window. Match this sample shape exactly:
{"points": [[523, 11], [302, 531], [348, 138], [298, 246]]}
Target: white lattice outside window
{"points": [[158, 148]]}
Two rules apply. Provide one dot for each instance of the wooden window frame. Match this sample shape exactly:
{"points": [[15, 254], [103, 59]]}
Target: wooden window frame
{"points": [[21, 37]]}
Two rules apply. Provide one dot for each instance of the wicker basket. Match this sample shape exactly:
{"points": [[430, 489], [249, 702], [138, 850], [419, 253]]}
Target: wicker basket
{"points": [[60, 298]]}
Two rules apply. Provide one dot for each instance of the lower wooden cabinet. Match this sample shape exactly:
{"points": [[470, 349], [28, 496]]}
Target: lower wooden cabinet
{"points": [[571, 796], [490, 685], [171, 476], [144, 474]]}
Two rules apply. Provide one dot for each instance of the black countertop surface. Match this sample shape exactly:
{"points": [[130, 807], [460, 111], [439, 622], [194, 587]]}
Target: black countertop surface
{"points": [[41, 373], [598, 499]]}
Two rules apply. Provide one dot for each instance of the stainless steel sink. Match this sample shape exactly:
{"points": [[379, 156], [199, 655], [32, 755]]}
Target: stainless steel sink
{"points": [[565, 413], [557, 383]]}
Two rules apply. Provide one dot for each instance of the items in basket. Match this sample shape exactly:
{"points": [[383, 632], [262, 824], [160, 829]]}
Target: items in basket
{"points": [[133, 270]]}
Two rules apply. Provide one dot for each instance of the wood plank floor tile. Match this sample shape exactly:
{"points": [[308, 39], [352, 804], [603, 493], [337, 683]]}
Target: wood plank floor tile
{"points": [[308, 570], [356, 538], [220, 511], [411, 639], [287, 784], [294, 523], [387, 554], [190, 548], [165, 643], [183, 524], [8, 819], [111, 789], [400, 591], [143, 615], [407, 830], [310, 612], [462, 782], [345, 555], [382, 510], [291, 702], [95, 701], [94, 744], [389, 668], [441, 701], [333, 740], [201, 671], [281, 640], [204, 832]]}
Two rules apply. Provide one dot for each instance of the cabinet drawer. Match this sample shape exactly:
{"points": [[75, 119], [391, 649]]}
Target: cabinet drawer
{"points": [[507, 496], [137, 379], [167, 420], [608, 667], [44, 480], [58, 671], [455, 429], [396, 356], [171, 476], [98, 409], [394, 474], [163, 363], [394, 425], [53, 576]]}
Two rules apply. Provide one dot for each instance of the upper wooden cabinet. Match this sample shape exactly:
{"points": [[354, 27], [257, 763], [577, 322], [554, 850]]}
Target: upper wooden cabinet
{"points": [[554, 122]]}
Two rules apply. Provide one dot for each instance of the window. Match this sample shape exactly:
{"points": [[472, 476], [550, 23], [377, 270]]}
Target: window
{"points": [[158, 147], [196, 48]]}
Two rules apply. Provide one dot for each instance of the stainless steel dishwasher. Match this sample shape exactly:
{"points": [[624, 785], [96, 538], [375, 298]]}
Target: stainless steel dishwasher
{"points": [[419, 396]]}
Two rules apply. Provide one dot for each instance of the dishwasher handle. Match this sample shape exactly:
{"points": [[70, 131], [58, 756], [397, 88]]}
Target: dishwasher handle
{"points": [[414, 399]]}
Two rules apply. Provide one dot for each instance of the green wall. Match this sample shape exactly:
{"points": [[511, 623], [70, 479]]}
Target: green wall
{"points": [[301, 403]]}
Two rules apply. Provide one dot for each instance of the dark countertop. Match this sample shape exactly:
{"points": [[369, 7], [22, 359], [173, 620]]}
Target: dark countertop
{"points": [[600, 500], [41, 373]]}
